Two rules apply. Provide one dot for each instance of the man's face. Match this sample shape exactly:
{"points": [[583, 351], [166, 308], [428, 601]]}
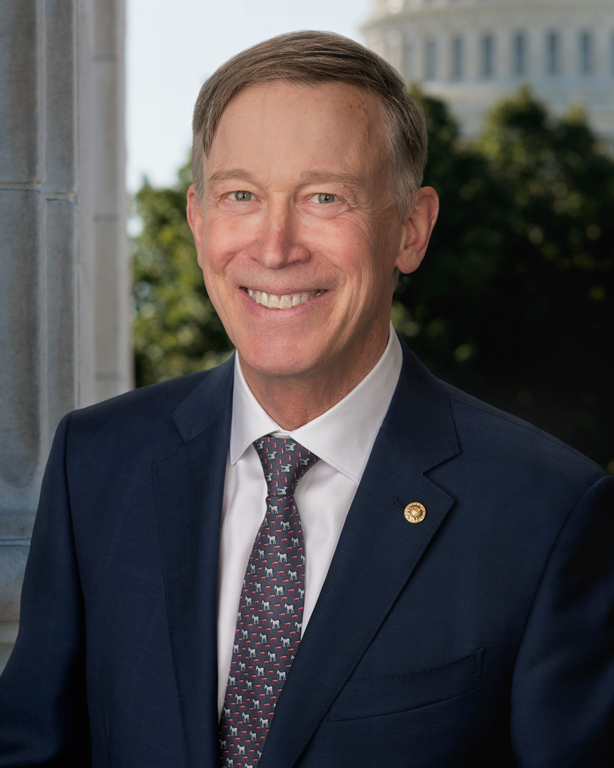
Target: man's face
{"points": [[297, 233]]}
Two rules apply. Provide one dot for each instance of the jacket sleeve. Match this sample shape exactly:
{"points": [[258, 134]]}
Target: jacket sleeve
{"points": [[562, 709], [43, 709]]}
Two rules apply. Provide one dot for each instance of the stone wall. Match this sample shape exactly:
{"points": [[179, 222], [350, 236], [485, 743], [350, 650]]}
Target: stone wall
{"points": [[63, 260]]}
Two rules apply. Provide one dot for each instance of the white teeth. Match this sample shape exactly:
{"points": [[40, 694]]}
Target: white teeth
{"points": [[287, 301]]}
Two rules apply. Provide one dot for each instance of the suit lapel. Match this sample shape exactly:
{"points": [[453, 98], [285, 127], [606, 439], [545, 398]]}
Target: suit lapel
{"points": [[377, 552], [189, 487]]}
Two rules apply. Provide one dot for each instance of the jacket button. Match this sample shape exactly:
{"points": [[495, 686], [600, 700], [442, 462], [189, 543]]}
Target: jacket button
{"points": [[414, 512]]}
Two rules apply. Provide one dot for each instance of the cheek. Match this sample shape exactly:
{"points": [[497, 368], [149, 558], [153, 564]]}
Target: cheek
{"points": [[365, 261], [369, 265], [212, 261], [348, 246], [222, 239]]}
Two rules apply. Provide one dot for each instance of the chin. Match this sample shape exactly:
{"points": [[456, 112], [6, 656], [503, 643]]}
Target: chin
{"points": [[278, 362]]}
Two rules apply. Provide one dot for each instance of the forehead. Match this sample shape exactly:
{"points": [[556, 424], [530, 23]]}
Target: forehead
{"points": [[330, 122]]}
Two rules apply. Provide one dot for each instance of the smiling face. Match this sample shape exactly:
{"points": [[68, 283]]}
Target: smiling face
{"points": [[297, 233]]}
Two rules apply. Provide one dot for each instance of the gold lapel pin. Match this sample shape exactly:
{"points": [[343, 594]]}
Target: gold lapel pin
{"points": [[414, 512]]}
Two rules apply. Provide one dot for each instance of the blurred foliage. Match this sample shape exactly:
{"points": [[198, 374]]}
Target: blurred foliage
{"points": [[514, 302], [176, 329]]}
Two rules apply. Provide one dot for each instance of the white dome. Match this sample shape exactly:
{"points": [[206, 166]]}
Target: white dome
{"points": [[472, 52]]}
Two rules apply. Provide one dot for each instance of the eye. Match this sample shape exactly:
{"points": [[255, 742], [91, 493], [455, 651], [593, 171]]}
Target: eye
{"points": [[241, 196], [325, 197]]}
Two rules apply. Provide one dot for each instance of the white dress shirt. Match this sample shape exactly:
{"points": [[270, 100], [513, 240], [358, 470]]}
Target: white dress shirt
{"points": [[342, 438]]}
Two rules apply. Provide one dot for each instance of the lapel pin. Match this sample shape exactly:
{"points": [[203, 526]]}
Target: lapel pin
{"points": [[414, 512]]}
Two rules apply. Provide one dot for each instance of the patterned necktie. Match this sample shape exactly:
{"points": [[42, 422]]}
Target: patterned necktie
{"points": [[270, 609]]}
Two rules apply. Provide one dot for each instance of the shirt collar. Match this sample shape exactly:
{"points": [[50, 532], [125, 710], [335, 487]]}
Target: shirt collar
{"points": [[337, 436]]}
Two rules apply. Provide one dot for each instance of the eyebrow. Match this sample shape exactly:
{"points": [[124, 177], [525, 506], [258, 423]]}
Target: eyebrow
{"points": [[309, 177], [324, 177], [232, 173]]}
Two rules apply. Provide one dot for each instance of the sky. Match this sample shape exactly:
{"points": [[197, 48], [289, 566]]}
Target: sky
{"points": [[174, 45]]}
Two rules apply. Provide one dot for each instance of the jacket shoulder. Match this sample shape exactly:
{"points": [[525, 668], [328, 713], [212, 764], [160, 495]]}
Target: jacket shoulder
{"points": [[144, 421], [155, 401], [507, 437]]}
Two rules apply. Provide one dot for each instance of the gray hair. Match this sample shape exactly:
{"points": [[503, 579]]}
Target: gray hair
{"points": [[312, 58]]}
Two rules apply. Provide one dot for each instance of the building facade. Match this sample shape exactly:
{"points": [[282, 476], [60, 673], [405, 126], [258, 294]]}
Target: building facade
{"points": [[473, 52]]}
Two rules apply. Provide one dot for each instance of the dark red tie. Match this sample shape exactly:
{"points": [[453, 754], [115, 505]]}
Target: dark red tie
{"points": [[270, 609]]}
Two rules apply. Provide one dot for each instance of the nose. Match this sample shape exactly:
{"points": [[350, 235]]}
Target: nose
{"points": [[278, 245]]}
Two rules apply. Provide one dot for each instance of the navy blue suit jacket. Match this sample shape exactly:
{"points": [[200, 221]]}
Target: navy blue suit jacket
{"points": [[482, 636]]}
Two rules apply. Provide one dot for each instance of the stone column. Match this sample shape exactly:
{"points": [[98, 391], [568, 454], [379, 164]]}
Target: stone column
{"points": [[48, 273], [394, 49], [537, 52], [113, 343]]}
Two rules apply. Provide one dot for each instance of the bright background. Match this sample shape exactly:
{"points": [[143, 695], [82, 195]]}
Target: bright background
{"points": [[172, 47]]}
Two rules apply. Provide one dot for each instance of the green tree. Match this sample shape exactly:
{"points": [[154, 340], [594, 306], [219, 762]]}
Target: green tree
{"points": [[176, 329], [514, 302]]}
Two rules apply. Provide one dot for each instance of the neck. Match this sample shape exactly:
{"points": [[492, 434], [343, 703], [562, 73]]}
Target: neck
{"points": [[293, 401]]}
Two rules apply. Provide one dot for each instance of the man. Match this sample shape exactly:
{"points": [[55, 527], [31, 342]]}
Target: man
{"points": [[316, 554]]}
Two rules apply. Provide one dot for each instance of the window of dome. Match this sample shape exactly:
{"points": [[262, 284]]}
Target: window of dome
{"points": [[458, 58], [553, 53], [519, 54], [586, 53]]}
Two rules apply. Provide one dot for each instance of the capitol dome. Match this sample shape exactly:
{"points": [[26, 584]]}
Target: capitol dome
{"points": [[473, 52]]}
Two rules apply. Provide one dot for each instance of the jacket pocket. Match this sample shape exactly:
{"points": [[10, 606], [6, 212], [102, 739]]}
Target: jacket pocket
{"points": [[397, 693]]}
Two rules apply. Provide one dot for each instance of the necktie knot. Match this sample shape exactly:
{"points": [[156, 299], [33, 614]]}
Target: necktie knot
{"points": [[284, 462]]}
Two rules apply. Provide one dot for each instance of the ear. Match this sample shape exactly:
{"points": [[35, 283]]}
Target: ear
{"points": [[195, 215], [417, 228]]}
